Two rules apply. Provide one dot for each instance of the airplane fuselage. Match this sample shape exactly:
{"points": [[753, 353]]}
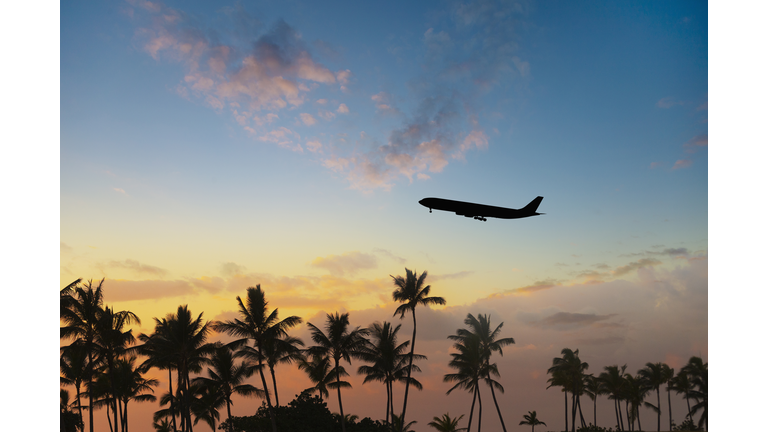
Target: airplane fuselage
{"points": [[481, 211]]}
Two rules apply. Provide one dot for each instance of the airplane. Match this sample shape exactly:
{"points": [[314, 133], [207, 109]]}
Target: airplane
{"points": [[481, 211]]}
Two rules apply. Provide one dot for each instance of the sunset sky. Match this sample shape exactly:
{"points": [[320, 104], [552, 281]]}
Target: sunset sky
{"points": [[206, 147]]}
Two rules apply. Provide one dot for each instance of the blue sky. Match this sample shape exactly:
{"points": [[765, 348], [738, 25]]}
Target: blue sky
{"points": [[600, 107]]}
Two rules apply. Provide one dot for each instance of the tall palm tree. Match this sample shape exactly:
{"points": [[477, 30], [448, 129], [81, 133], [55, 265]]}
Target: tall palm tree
{"points": [[131, 386], [532, 420], [470, 369], [613, 382], [80, 319], [655, 376], [681, 383], [339, 344], [186, 339], [446, 423], [258, 325], [388, 360], [669, 373], [281, 351], [226, 378], [573, 375], [697, 372], [411, 292], [113, 341], [480, 327], [635, 388], [560, 379], [160, 354], [593, 388]]}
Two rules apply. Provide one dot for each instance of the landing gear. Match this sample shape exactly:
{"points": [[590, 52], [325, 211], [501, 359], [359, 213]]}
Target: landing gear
{"points": [[430, 210], [481, 218]]}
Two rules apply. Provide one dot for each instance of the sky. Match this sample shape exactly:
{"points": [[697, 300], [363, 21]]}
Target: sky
{"points": [[209, 147]]}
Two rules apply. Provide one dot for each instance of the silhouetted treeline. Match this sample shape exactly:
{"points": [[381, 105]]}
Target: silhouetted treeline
{"points": [[105, 363]]}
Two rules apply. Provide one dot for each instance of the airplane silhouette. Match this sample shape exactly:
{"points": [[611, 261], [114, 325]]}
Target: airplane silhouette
{"points": [[481, 211]]}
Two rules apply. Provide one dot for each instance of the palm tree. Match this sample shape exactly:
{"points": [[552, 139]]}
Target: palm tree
{"points": [[206, 401], [636, 388], [573, 377], [593, 388], [480, 327], [531, 419], [226, 378], [131, 385], [681, 383], [321, 374], [74, 368], [654, 374], [259, 326], [559, 379], [80, 317], [69, 421], [696, 369], [160, 354], [185, 339], [446, 423], [339, 343], [411, 292], [468, 361], [113, 342], [669, 373], [388, 360], [281, 351], [397, 424], [613, 383]]}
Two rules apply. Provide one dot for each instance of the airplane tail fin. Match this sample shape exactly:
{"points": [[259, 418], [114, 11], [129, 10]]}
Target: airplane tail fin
{"points": [[533, 205]]}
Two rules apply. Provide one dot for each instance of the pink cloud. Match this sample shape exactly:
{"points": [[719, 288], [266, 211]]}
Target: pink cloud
{"points": [[668, 102], [682, 163]]}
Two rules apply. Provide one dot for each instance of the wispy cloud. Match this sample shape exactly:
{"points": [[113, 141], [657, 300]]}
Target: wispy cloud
{"points": [[696, 143], [568, 320], [682, 163], [668, 102], [137, 267], [348, 263]]}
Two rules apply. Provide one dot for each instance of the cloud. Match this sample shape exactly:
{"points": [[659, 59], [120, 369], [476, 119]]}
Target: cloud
{"points": [[314, 146], [269, 71], [137, 268], [668, 102], [655, 165], [457, 275], [127, 290], [682, 163], [119, 190], [326, 115], [307, 119], [645, 262], [696, 143], [343, 109], [390, 255], [348, 263], [231, 269], [283, 137], [567, 320]]}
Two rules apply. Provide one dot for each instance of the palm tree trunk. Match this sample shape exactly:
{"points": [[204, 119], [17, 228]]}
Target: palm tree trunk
{"points": [[338, 391], [595, 403], [79, 407], [170, 391], [479, 408], [472, 410], [125, 415], [669, 404], [573, 412], [687, 400], [266, 391], [498, 410], [410, 365], [581, 416], [389, 393], [90, 395], [229, 415], [630, 424], [637, 414], [566, 409], [274, 385], [619, 423], [658, 405]]}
